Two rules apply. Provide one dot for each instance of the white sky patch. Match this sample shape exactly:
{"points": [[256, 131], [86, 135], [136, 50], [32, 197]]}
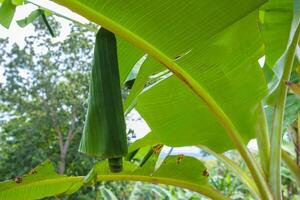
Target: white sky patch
{"points": [[189, 151], [261, 61], [24, 73], [252, 145], [138, 124]]}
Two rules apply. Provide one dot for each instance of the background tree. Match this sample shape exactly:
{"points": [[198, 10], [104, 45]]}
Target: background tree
{"points": [[43, 101]]}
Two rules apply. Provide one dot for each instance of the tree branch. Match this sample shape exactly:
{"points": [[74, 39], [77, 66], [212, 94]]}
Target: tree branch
{"points": [[71, 133], [57, 129]]}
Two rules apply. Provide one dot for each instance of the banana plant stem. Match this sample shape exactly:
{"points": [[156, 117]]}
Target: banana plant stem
{"points": [[276, 136], [263, 141]]}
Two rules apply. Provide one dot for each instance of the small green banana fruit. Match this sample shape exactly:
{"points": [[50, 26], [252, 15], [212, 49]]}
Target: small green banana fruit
{"points": [[104, 133]]}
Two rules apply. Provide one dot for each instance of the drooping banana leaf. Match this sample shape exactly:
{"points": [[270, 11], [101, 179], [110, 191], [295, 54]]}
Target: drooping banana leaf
{"points": [[43, 182], [279, 22], [276, 23], [30, 18], [174, 113], [221, 61], [7, 12], [173, 171], [40, 182]]}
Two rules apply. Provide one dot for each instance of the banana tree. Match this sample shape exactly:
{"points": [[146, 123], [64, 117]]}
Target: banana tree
{"points": [[200, 85]]}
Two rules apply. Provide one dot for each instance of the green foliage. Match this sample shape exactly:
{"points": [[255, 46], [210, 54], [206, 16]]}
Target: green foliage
{"points": [[173, 171], [30, 18], [225, 180], [272, 19], [34, 83], [279, 22], [276, 23], [17, 2], [45, 89], [215, 38], [40, 182], [7, 9], [209, 94]]}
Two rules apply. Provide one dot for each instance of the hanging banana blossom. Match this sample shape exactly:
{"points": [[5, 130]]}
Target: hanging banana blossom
{"points": [[104, 133]]}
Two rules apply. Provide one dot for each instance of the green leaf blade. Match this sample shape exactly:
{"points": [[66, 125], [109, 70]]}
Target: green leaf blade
{"points": [[7, 12], [30, 18], [39, 183], [172, 172]]}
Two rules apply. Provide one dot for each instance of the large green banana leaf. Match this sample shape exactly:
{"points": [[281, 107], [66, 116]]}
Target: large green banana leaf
{"points": [[218, 43], [276, 18], [40, 182], [175, 171], [7, 9], [174, 112], [279, 21], [222, 43]]}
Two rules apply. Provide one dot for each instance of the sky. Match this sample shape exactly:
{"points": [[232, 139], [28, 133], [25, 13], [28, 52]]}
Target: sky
{"points": [[17, 35]]}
